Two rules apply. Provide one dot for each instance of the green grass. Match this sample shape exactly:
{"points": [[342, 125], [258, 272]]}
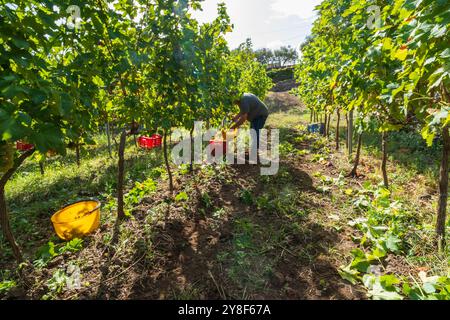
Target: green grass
{"points": [[287, 120], [246, 266]]}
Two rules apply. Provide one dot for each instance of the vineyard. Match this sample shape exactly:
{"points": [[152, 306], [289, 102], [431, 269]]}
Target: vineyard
{"points": [[89, 101]]}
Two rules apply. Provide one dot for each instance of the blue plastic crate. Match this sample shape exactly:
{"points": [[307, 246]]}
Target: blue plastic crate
{"points": [[316, 128]]}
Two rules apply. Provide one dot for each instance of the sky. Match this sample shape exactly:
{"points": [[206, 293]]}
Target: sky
{"points": [[269, 23]]}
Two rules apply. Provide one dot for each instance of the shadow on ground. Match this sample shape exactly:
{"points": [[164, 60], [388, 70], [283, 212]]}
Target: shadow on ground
{"points": [[232, 250]]}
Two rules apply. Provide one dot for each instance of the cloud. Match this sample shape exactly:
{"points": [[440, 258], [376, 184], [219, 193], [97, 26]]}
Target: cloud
{"points": [[303, 9], [272, 23], [274, 44]]}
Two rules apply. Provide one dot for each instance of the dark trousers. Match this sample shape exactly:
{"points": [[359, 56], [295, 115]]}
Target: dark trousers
{"points": [[258, 124]]}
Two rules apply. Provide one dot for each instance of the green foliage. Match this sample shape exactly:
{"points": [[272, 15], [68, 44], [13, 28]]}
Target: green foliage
{"points": [[393, 75], [139, 191], [147, 62], [206, 200], [251, 74], [6, 156], [56, 284], [72, 246], [246, 197], [386, 228], [181, 197], [389, 72], [51, 250], [382, 288], [184, 169], [144, 62], [7, 285], [287, 149], [278, 75], [47, 85], [279, 57], [385, 222], [428, 288]]}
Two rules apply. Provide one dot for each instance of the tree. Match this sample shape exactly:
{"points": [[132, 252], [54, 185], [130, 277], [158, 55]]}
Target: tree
{"points": [[384, 74], [286, 55], [249, 74], [35, 105], [264, 56], [424, 81]]}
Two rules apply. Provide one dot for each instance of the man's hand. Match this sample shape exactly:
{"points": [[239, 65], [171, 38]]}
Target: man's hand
{"points": [[239, 120]]}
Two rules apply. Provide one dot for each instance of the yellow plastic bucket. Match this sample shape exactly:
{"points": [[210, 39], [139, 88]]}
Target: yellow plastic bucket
{"points": [[77, 220]]}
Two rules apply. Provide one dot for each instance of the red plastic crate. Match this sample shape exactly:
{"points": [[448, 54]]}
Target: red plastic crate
{"points": [[146, 142], [217, 145], [150, 142], [24, 146], [157, 140]]}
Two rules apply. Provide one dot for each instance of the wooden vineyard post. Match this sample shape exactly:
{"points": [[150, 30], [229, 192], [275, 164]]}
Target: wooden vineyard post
{"points": [[166, 159], [443, 189], [384, 160], [4, 218], [120, 179], [338, 129]]}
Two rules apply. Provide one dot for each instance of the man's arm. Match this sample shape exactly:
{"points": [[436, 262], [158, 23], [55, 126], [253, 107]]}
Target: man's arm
{"points": [[236, 117], [243, 114], [240, 119]]}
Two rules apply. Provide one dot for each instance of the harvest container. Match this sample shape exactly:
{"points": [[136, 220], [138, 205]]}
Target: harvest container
{"points": [[157, 140], [21, 146], [220, 141], [146, 142], [316, 128], [77, 220], [218, 145]]}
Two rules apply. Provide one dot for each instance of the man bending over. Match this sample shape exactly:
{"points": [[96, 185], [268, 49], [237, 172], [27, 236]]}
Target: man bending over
{"points": [[252, 109]]}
